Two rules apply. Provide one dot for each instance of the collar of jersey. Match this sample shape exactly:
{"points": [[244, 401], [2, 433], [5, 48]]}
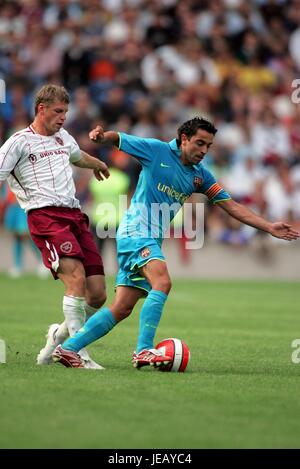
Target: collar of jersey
{"points": [[175, 149]]}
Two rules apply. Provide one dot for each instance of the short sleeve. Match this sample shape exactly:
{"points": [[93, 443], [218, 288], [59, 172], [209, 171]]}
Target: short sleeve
{"points": [[10, 153], [143, 149], [75, 153]]}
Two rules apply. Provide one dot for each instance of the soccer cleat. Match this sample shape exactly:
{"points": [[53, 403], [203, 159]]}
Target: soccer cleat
{"points": [[92, 365], [67, 358], [89, 363], [150, 357], [45, 355]]}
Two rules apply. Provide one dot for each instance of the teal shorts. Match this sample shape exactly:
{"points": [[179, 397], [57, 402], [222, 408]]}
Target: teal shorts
{"points": [[132, 255]]}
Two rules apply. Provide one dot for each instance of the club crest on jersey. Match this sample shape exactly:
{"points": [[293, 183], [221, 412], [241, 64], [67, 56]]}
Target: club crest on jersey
{"points": [[145, 253], [59, 140], [197, 182], [66, 247], [32, 158]]}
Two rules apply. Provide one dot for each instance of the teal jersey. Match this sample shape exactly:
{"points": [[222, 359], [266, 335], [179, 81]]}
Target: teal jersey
{"points": [[163, 187]]}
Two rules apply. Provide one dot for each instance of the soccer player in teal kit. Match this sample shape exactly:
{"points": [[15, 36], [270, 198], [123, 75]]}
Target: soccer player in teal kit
{"points": [[171, 173]]}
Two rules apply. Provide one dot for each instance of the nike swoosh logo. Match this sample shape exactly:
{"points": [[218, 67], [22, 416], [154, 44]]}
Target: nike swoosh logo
{"points": [[164, 165]]}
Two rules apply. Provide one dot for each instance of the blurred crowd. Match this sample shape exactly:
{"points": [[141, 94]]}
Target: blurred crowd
{"points": [[146, 66]]}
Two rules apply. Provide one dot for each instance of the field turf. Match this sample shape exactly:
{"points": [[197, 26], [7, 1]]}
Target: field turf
{"points": [[241, 389]]}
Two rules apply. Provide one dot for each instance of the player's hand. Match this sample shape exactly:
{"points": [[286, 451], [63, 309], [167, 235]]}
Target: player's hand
{"points": [[97, 134], [284, 231], [101, 171]]}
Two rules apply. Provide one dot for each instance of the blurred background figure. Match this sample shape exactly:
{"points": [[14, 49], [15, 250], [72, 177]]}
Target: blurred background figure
{"points": [[15, 223], [108, 203]]}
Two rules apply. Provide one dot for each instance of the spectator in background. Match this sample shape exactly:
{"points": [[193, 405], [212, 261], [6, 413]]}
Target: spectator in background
{"points": [[61, 14], [129, 68], [75, 62], [41, 55], [269, 136], [82, 112], [17, 101], [114, 105], [12, 23]]}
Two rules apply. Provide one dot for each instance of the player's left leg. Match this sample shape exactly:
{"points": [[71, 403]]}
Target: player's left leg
{"points": [[95, 294], [156, 272], [95, 297], [95, 291], [71, 272]]}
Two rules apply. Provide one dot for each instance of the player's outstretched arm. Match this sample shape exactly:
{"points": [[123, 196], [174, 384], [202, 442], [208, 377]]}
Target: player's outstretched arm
{"points": [[279, 229], [97, 135], [89, 162]]}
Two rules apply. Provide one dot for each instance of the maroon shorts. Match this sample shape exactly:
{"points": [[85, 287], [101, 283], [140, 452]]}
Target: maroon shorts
{"points": [[63, 232]]}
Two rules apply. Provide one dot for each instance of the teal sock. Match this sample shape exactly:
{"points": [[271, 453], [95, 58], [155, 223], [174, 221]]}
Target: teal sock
{"points": [[18, 249], [97, 326], [149, 319]]}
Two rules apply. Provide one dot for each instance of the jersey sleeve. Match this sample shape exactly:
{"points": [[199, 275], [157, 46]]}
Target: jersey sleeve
{"points": [[210, 187], [143, 149], [75, 153], [10, 153]]}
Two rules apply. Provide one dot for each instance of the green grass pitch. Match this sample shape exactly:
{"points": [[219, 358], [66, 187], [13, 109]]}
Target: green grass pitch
{"points": [[240, 390]]}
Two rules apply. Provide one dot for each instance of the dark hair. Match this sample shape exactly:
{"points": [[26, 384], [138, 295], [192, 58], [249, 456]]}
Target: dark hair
{"points": [[48, 94], [190, 127]]}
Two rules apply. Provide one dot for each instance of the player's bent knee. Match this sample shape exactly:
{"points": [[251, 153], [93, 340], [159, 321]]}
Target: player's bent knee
{"points": [[162, 284], [75, 282], [96, 301], [121, 311], [102, 298], [78, 278], [126, 311]]}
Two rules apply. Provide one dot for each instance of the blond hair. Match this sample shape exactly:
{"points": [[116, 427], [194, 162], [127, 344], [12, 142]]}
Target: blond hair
{"points": [[48, 94]]}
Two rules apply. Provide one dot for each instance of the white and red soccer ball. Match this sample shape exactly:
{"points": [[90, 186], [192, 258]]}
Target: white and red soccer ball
{"points": [[178, 351]]}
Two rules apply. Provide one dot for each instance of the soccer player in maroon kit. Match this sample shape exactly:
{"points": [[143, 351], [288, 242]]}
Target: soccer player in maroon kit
{"points": [[36, 162]]}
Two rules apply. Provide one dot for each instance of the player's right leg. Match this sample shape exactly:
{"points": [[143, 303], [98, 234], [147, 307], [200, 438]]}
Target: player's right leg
{"points": [[71, 272], [156, 273], [100, 323]]}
